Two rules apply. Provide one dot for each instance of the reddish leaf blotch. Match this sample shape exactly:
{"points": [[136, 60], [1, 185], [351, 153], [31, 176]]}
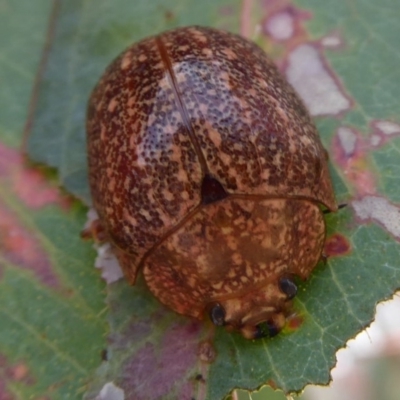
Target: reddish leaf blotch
{"points": [[28, 183], [336, 245], [156, 370], [11, 374], [19, 246]]}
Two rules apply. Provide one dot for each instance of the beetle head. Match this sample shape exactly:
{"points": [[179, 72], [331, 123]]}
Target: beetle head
{"points": [[257, 314]]}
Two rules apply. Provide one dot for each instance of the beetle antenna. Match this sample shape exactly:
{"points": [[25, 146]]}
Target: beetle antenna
{"points": [[343, 205]]}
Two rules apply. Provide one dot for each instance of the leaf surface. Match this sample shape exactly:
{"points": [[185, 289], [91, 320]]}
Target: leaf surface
{"points": [[342, 58], [51, 300]]}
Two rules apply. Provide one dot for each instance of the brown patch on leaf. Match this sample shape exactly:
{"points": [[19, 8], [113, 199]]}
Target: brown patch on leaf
{"points": [[169, 15], [271, 383], [19, 246], [19, 372], [294, 322], [199, 378], [206, 352], [28, 183], [336, 245]]}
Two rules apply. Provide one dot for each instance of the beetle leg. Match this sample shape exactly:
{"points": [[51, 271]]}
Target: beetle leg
{"points": [[95, 231], [217, 314], [288, 287], [339, 207]]}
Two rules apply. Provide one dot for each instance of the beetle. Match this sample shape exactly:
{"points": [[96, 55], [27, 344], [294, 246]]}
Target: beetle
{"points": [[208, 175]]}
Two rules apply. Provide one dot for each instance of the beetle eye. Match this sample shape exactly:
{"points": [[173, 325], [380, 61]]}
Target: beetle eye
{"points": [[217, 315], [266, 329], [288, 287]]}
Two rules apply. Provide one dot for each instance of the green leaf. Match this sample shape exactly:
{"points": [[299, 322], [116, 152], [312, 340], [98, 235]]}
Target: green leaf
{"points": [[342, 57], [51, 330]]}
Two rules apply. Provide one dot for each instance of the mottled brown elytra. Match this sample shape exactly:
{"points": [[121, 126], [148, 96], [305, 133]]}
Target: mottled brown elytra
{"points": [[208, 175]]}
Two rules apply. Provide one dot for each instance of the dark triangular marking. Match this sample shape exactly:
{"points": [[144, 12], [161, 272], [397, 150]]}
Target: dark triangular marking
{"points": [[211, 190]]}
